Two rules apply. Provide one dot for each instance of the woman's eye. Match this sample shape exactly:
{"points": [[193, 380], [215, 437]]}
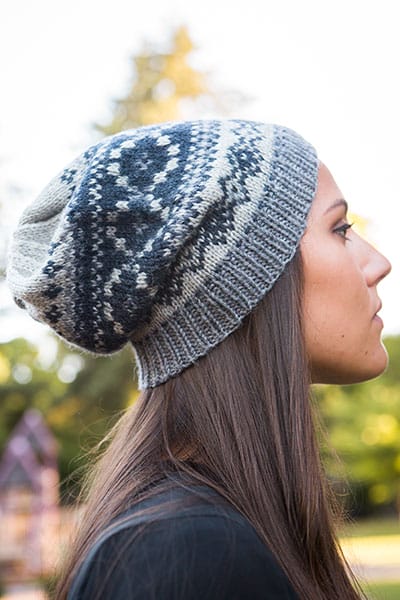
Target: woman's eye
{"points": [[341, 230]]}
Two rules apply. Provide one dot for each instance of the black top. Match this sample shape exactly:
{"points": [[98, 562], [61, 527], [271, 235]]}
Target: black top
{"points": [[204, 550]]}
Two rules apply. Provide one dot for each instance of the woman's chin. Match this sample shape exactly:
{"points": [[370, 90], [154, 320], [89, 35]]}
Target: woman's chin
{"points": [[355, 374]]}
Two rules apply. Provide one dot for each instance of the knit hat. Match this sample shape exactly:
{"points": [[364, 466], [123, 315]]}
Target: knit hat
{"points": [[165, 237]]}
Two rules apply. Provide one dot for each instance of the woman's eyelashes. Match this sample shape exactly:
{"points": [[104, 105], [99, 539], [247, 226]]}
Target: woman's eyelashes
{"points": [[342, 229]]}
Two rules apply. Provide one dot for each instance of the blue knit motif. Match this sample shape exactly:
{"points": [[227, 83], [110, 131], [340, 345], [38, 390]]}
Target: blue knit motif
{"points": [[165, 236]]}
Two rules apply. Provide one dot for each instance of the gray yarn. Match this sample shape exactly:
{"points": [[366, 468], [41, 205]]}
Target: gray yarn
{"points": [[165, 237]]}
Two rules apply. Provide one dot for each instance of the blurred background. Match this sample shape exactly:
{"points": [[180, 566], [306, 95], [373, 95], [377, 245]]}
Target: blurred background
{"points": [[74, 72]]}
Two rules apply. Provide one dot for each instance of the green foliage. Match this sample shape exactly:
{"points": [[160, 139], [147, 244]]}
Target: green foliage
{"points": [[79, 411], [81, 397], [363, 422], [23, 384], [392, 374]]}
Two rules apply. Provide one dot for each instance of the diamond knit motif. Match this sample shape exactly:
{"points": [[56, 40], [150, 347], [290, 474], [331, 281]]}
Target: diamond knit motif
{"points": [[165, 236]]}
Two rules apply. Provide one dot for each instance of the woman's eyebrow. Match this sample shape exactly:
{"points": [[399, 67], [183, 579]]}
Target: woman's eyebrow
{"points": [[339, 202]]}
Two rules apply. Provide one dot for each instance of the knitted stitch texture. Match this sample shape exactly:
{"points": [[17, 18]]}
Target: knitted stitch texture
{"points": [[165, 236]]}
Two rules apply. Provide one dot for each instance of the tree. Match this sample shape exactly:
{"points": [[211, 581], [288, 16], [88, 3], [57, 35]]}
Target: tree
{"points": [[163, 86]]}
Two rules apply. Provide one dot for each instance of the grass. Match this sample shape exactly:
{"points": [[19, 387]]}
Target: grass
{"points": [[372, 527], [383, 590], [375, 543]]}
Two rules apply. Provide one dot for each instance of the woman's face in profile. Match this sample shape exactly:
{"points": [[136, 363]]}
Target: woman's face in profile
{"points": [[341, 273]]}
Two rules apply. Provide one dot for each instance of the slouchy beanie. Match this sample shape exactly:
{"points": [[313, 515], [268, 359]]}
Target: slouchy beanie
{"points": [[164, 237]]}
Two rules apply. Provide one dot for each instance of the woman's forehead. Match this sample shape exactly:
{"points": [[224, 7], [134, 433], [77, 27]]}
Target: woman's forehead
{"points": [[328, 194]]}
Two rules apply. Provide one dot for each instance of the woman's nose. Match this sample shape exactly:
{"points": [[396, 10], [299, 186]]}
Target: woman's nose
{"points": [[377, 267]]}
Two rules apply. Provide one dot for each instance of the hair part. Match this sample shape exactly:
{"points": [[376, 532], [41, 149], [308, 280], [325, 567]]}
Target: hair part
{"points": [[241, 421]]}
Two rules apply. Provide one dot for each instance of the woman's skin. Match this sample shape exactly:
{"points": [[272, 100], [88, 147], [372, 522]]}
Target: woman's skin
{"points": [[341, 272]]}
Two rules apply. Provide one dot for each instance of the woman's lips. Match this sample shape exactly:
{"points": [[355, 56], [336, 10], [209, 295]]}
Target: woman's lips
{"points": [[376, 317], [378, 308]]}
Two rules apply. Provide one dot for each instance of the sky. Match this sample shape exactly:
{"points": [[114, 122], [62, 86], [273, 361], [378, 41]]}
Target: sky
{"points": [[327, 70]]}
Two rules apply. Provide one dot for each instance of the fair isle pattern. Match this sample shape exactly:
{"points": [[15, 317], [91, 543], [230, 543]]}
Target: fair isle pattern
{"points": [[166, 236]]}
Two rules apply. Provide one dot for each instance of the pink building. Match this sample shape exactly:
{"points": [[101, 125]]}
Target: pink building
{"points": [[29, 500]]}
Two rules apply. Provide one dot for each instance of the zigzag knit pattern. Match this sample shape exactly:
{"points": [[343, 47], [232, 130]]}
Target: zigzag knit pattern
{"points": [[164, 236]]}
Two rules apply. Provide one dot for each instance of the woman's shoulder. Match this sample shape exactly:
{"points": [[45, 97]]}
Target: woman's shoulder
{"points": [[203, 548]]}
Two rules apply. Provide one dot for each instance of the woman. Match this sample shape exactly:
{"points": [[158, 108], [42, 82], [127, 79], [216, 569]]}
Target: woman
{"points": [[222, 252]]}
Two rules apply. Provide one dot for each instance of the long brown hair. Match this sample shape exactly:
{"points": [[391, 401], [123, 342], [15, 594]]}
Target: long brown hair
{"points": [[241, 421]]}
